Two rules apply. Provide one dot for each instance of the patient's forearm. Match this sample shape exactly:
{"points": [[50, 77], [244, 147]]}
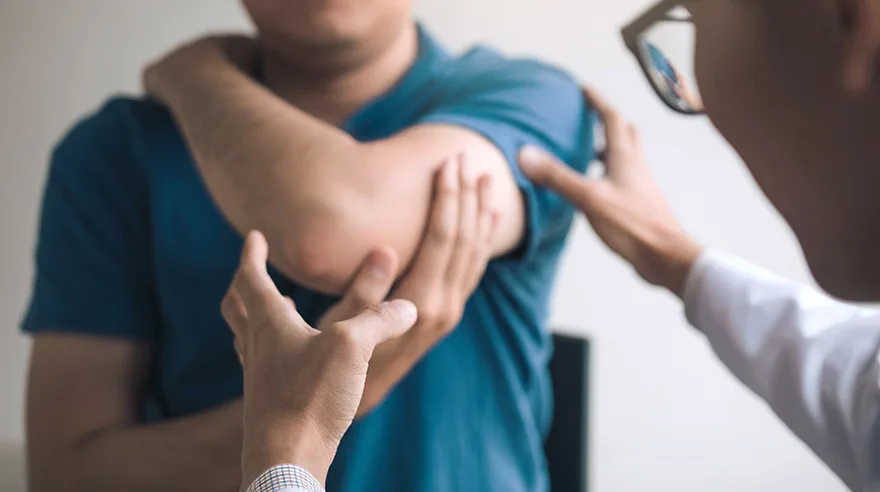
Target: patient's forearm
{"points": [[391, 362], [268, 165], [201, 452], [322, 199]]}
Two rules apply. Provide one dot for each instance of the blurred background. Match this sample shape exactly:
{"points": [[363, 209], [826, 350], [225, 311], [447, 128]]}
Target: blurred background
{"points": [[664, 414]]}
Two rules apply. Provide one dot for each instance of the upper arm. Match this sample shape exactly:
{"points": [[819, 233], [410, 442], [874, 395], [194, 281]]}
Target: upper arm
{"points": [[93, 272], [91, 309], [488, 113]]}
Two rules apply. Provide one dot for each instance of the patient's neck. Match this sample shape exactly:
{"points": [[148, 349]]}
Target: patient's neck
{"points": [[333, 85]]}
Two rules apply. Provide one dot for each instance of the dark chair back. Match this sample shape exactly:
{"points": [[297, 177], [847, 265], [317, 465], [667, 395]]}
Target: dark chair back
{"points": [[567, 443]]}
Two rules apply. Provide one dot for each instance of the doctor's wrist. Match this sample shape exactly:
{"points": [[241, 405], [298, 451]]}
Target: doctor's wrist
{"points": [[286, 443], [668, 260]]}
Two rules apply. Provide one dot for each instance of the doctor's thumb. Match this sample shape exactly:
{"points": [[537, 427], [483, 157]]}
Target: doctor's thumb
{"points": [[547, 171]]}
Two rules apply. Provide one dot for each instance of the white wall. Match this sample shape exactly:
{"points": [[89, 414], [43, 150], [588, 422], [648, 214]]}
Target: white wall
{"points": [[666, 416]]}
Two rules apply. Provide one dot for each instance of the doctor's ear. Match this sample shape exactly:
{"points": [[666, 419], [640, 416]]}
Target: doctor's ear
{"points": [[859, 22]]}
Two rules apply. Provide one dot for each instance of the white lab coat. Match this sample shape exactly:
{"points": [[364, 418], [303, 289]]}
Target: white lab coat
{"points": [[812, 358]]}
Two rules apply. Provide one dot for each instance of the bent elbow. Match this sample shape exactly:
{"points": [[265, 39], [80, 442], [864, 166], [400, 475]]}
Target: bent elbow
{"points": [[323, 251], [311, 265]]}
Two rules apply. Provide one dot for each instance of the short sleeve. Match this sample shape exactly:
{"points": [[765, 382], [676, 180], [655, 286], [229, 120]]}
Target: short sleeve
{"points": [[93, 272], [514, 103]]}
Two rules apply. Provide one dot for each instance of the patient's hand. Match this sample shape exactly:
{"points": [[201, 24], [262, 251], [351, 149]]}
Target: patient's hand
{"points": [[447, 269], [168, 74]]}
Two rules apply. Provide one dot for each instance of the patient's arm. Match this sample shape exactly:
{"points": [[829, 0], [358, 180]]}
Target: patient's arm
{"points": [[323, 199], [85, 433], [445, 272]]}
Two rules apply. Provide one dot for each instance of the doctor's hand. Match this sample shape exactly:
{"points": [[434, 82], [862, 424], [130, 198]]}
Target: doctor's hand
{"points": [[302, 386], [445, 272], [625, 207]]}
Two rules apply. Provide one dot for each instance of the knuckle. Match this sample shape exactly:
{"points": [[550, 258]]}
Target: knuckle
{"points": [[447, 190], [383, 312], [345, 338], [467, 238], [440, 319], [468, 183], [429, 313], [480, 256], [453, 316]]}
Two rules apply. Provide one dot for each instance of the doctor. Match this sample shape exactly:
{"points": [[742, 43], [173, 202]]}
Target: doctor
{"points": [[792, 86]]}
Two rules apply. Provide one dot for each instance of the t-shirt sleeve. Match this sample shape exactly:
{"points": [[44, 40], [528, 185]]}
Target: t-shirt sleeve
{"points": [[93, 271], [513, 103]]}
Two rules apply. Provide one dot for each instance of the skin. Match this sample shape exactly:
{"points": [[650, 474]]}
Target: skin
{"points": [[362, 348], [322, 59], [791, 85], [788, 114], [274, 159], [626, 207], [96, 441], [796, 96]]}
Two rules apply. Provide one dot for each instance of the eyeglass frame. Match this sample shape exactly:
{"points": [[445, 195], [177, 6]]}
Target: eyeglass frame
{"points": [[632, 34]]}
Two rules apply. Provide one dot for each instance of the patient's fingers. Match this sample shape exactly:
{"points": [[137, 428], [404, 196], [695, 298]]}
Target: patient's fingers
{"points": [[432, 258], [468, 223], [488, 225]]}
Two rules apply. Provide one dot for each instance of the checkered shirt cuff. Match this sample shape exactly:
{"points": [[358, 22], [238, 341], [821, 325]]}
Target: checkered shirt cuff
{"points": [[285, 477]]}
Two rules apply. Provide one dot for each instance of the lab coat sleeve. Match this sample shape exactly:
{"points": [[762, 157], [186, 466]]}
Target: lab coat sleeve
{"points": [[286, 478], [812, 358]]}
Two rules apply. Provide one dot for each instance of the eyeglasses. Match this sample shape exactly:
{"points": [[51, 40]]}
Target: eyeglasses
{"points": [[662, 39]]}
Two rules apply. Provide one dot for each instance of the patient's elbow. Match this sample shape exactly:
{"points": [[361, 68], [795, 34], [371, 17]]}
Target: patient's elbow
{"points": [[311, 266], [322, 251]]}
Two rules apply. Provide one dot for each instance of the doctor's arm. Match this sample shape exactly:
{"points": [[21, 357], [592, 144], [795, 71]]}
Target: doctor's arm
{"points": [[812, 358]]}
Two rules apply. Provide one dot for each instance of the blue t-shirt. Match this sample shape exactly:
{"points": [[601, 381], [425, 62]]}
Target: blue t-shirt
{"points": [[131, 246]]}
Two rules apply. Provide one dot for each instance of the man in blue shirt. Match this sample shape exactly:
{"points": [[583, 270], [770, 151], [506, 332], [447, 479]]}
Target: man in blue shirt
{"points": [[135, 384]]}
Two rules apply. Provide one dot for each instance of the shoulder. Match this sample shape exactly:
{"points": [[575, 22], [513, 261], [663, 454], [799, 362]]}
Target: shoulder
{"points": [[116, 117], [539, 102], [485, 71], [108, 138], [99, 161]]}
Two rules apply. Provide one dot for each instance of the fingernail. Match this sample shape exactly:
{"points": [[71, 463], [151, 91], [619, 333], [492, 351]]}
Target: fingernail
{"points": [[531, 157], [376, 270], [407, 310]]}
